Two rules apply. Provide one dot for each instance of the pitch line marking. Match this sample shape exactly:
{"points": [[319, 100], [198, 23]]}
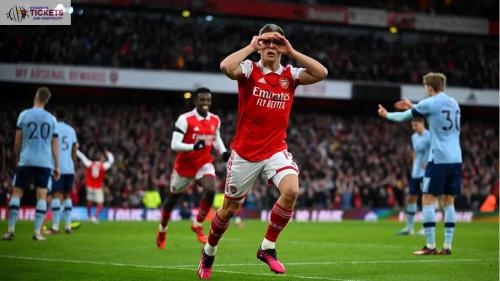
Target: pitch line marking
{"points": [[181, 267], [350, 262]]}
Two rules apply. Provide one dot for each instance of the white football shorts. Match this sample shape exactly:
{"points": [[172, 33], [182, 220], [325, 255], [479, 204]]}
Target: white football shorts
{"points": [[242, 174], [95, 195], [179, 184]]}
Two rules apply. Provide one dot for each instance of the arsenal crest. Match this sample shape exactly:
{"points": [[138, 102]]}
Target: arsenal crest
{"points": [[212, 127], [284, 83], [233, 189]]}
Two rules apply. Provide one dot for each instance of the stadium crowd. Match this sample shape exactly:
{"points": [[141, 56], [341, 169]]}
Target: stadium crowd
{"points": [[355, 161], [164, 40]]}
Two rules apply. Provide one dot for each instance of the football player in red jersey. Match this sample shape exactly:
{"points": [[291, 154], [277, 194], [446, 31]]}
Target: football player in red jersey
{"points": [[94, 180], [194, 134], [266, 90]]}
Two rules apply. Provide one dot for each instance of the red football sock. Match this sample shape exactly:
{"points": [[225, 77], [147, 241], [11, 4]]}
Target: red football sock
{"points": [[89, 208], [99, 208], [279, 218], [164, 218], [217, 229], [238, 213], [202, 211]]}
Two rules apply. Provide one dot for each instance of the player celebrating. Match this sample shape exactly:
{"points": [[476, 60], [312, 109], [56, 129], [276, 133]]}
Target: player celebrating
{"points": [[195, 133], [443, 173], [94, 180], [266, 90], [420, 141], [61, 188], [35, 147]]}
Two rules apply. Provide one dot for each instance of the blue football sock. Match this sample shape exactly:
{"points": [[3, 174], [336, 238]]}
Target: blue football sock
{"points": [[41, 209], [13, 211], [56, 213], [429, 221], [411, 209], [68, 206], [449, 223]]}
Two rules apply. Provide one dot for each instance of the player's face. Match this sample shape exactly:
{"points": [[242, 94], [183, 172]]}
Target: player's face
{"points": [[428, 90], [203, 103], [270, 53], [417, 126]]}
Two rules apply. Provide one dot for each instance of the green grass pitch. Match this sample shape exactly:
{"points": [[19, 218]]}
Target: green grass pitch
{"points": [[349, 250]]}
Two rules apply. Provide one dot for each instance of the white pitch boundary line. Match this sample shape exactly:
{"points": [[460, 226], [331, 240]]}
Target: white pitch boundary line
{"points": [[181, 267], [350, 262]]}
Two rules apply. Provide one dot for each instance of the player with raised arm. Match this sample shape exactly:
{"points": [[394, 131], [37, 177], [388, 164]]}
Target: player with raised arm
{"points": [[195, 133], [266, 90], [37, 156], [61, 188], [421, 144], [443, 173], [94, 180]]}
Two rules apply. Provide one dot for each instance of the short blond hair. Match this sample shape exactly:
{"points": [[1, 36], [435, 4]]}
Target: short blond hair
{"points": [[43, 95], [436, 80]]}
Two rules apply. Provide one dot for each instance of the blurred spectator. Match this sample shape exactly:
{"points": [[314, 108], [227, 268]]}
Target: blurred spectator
{"points": [[166, 41], [354, 161]]}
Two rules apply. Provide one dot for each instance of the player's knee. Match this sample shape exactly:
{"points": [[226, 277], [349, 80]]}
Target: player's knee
{"points": [[291, 193]]}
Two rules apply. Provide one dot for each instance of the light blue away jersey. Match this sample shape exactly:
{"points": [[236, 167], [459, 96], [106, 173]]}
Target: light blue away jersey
{"points": [[38, 128], [67, 139], [421, 145], [443, 116]]}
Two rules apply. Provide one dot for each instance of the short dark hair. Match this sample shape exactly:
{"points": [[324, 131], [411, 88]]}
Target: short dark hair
{"points": [[201, 90], [271, 27], [60, 113], [43, 95], [418, 119]]}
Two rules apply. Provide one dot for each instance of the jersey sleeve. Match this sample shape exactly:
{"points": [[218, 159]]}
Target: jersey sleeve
{"points": [[246, 68], [75, 140], [423, 108], [180, 130], [20, 120], [55, 134], [83, 158], [295, 71], [106, 165], [413, 142], [219, 144], [181, 125]]}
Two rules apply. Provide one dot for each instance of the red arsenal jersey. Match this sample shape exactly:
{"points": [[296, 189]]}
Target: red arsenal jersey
{"points": [[265, 101], [95, 175], [198, 128]]}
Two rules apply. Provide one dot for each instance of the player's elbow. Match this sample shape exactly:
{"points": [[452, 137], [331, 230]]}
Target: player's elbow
{"points": [[322, 73], [228, 70]]}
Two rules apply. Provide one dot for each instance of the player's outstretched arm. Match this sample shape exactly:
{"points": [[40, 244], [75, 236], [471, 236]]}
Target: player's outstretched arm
{"points": [[109, 161], [395, 116], [314, 70], [230, 66], [86, 162]]}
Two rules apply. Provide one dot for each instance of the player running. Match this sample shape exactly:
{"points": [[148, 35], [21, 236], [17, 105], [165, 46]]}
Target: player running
{"points": [[35, 147], [195, 133], [94, 181], [421, 143], [61, 188], [266, 90], [443, 173]]}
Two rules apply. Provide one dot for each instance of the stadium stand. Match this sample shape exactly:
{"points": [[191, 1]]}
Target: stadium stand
{"points": [[166, 41], [348, 159]]}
